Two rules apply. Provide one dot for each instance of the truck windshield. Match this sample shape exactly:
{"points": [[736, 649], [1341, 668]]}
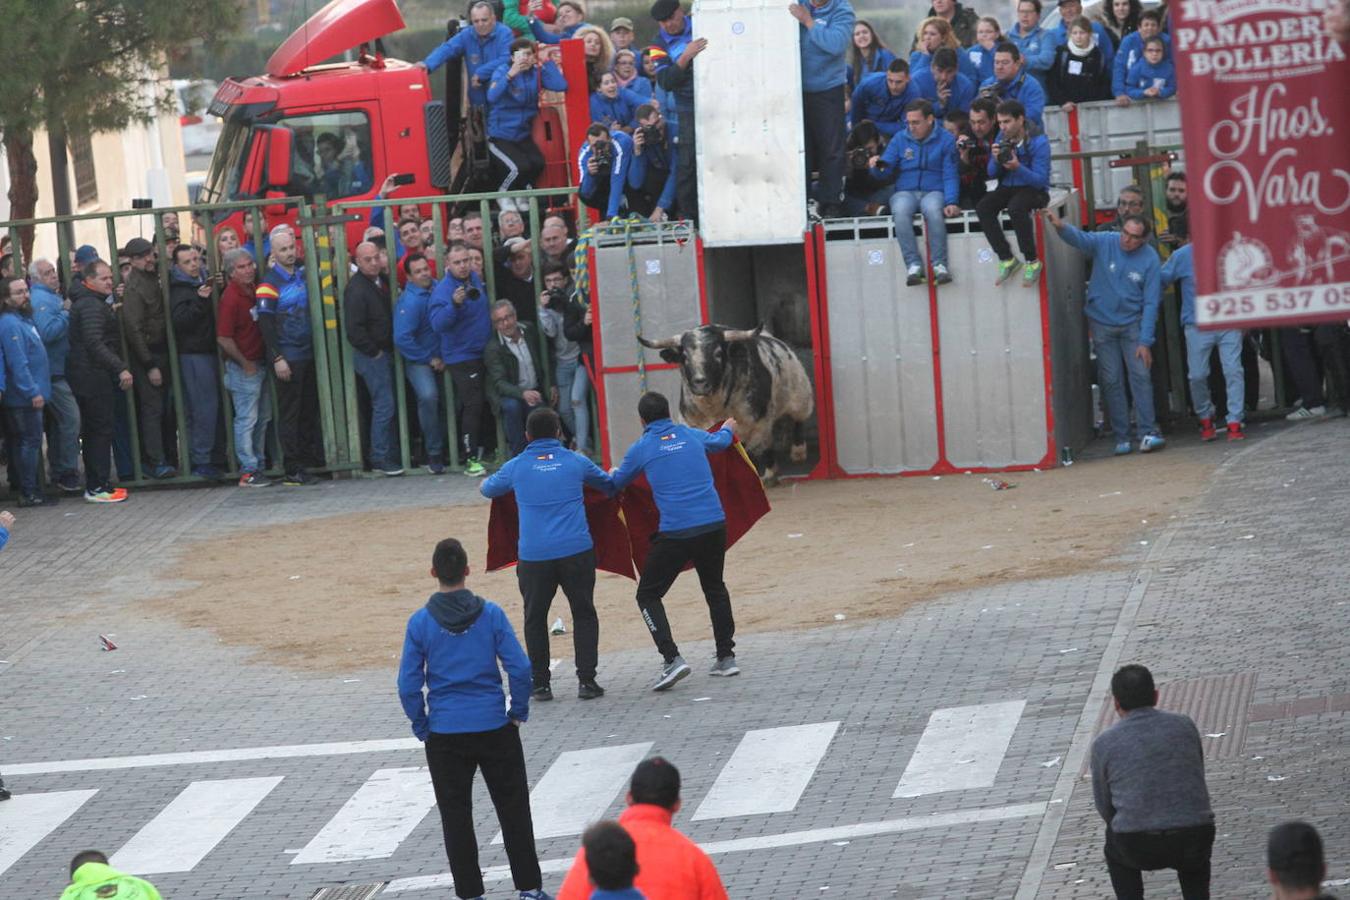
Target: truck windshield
{"points": [[227, 165]]}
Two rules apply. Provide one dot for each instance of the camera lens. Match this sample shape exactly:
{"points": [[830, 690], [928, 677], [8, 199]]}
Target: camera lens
{"points": [[472, 293]]}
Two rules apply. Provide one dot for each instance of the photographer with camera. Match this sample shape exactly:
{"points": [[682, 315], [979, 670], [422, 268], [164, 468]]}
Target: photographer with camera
{"points": [[864, 193], [1011, 81], [555, 306], [942, 85], [651, 177], [882, 98], [974, 146], [1021, 163], [602, 169], [459, 313], [513, 103], [921, 161]]}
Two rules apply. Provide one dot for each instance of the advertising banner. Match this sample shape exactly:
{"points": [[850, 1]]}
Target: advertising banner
{"points": [[1265, 99]]}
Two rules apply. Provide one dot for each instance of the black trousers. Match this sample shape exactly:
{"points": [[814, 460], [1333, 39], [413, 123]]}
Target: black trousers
{"points": [[1019, 202], [469, 380], [823, 122], [452, 760], [1301, 359], [665, 560], [151, 406], [686, 169], [298, 424], [515, 164], [96, 398], [1185, 849], [539, 581]]}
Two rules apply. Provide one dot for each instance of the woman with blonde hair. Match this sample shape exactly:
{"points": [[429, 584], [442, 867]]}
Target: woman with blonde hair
{"points": [[936, 32], [599, 52], [867, 54]]}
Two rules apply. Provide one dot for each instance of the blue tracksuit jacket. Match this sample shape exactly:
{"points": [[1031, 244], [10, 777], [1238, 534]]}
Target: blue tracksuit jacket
{"points": [[589, 185], [1180, 268], [1144, 75], [1026, 91], [464, 328], [53, 324], [642, 168], [1037, 47], [513, 104], [481, 56], [1103, 39], [1033, 156], [824, 46], [617, 111], [1125, 288], [928, 165], [547, 479], [452, 647], [963, 92], [286, 299], [923, 62], [413, 335], [872, 99], [675, 461], [983, 60], [25, 361], [1131, 51]]}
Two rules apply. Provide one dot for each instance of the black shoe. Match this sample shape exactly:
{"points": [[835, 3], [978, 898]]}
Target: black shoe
{"points": [[589, 690], [4, 793], [543, 693], [36, 500], [299, 479]]}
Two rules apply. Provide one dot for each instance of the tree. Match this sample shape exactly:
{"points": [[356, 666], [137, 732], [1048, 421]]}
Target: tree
{"points": [[85, 66]]}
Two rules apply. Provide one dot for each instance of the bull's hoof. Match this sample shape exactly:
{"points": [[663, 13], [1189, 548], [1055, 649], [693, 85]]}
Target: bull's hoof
{"points": [[799, 452], [769, 478]]}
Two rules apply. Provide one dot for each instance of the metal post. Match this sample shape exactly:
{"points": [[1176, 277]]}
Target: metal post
{"points": [[323, 363], [175, 371], [215, 264]]}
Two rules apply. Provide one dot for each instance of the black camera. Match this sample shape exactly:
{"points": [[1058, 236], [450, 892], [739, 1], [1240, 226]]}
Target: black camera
{"points": [[963, 142], [472, 293], [651, 135], [858, 157], [1005, 154], [557, 299], [603, 153]]}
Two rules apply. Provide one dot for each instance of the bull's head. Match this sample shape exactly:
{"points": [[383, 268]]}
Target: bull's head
{"points": [[702, 354]]}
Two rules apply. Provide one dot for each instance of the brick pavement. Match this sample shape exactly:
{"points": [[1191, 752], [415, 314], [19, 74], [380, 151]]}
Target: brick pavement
{"points": [[1214, 604]]}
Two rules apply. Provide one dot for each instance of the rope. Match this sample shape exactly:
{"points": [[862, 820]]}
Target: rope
{"points": [[582, 281]]}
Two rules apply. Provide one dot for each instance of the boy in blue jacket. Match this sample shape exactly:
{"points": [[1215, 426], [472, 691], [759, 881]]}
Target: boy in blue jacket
{"points": [[513, 103], [1153, 77], [458, 311], [693, 528], [1131, 51], [452, 648], [1020, 162], [826, 32], [1123, 295], [922, 161]]}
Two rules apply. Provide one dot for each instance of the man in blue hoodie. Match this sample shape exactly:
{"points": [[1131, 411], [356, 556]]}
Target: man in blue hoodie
{"points": [[1011, 82], [693, 528], [52, 318], [28, 385], [483, 47], [881, 98], [513, 103], [452, 649], [922, 162], [459, 313], [826, 33], [1020, 162], [556, 549], [602, 169], [1122, 309], [421, 348], [943, 86]]}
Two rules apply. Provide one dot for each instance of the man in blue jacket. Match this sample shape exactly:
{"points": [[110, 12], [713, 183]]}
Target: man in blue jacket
{"points": [[693, 528], [556, 548], [675, 74], [1011, 82], [922, 162], [483, 47], [1122, 309], [459, 313], [651, 177], [29, 384], [602, 169], [452, 649], [421, 348], [1020, 162], [943, 86], [882, 97], [513, 103], [1033, 42], [52, 318], [826, 33]]}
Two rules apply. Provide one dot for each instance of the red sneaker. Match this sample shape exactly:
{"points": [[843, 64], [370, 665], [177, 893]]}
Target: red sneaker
{"points": [[1207, 432], [1235, 432]]}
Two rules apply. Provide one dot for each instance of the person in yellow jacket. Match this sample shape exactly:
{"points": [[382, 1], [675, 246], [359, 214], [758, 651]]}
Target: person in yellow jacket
{"points": [[91, 878]]}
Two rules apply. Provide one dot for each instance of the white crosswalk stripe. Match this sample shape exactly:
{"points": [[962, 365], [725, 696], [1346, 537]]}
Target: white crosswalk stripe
{"points": [[768, 771], [26, 819], [961, 748], [378, 817], [579, 787], [192, 825]]}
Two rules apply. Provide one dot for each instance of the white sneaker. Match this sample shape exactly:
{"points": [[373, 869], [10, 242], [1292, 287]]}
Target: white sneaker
{"points": [[506, 204], [1304, 414]]}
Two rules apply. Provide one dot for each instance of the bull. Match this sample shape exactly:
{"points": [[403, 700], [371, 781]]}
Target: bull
{"points": [[750, 376]]}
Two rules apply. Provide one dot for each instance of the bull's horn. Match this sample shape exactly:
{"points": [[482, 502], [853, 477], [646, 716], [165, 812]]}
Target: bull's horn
{"points": [[740, 334], [667, 344]]}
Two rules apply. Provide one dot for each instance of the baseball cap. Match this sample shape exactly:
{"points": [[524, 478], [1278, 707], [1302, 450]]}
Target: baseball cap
{"points": [[85, 255], [137, 246], [621, 22], [516, 245], [1296, 848], [664, 9]]}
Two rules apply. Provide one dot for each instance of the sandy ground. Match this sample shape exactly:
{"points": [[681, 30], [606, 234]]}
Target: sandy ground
{"points": [[313, 598]]}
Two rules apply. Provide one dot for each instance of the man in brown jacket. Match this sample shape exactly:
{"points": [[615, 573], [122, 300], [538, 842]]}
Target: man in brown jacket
{"points": [[143, 320]]}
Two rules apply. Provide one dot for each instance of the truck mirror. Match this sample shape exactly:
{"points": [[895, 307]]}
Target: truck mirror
{"points": [[279, 157], [251, 179]]}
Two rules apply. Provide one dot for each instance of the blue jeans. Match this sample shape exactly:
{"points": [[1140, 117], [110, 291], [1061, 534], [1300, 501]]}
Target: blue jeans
{"points": [[203, 404], [1116, 346], [23, 425], [574, 387], [425, 385], [252, 412], [64, 448], [378, 374], [1199, 344], [513, 412], [904, 204]]}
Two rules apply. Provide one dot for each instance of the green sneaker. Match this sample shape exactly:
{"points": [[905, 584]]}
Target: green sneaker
{"points": [[1006, 268], [473, 468], [1031, 275]]}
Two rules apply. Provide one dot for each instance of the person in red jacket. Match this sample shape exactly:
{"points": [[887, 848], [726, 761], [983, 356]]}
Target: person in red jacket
{"points": [[670, 865]]}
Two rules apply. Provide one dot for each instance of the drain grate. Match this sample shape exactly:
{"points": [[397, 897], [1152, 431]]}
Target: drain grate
{"points": [[1218, 705], [348, 892]]}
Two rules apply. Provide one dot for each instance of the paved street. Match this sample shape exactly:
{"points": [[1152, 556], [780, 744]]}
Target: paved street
{"points": [[937, 754]]}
